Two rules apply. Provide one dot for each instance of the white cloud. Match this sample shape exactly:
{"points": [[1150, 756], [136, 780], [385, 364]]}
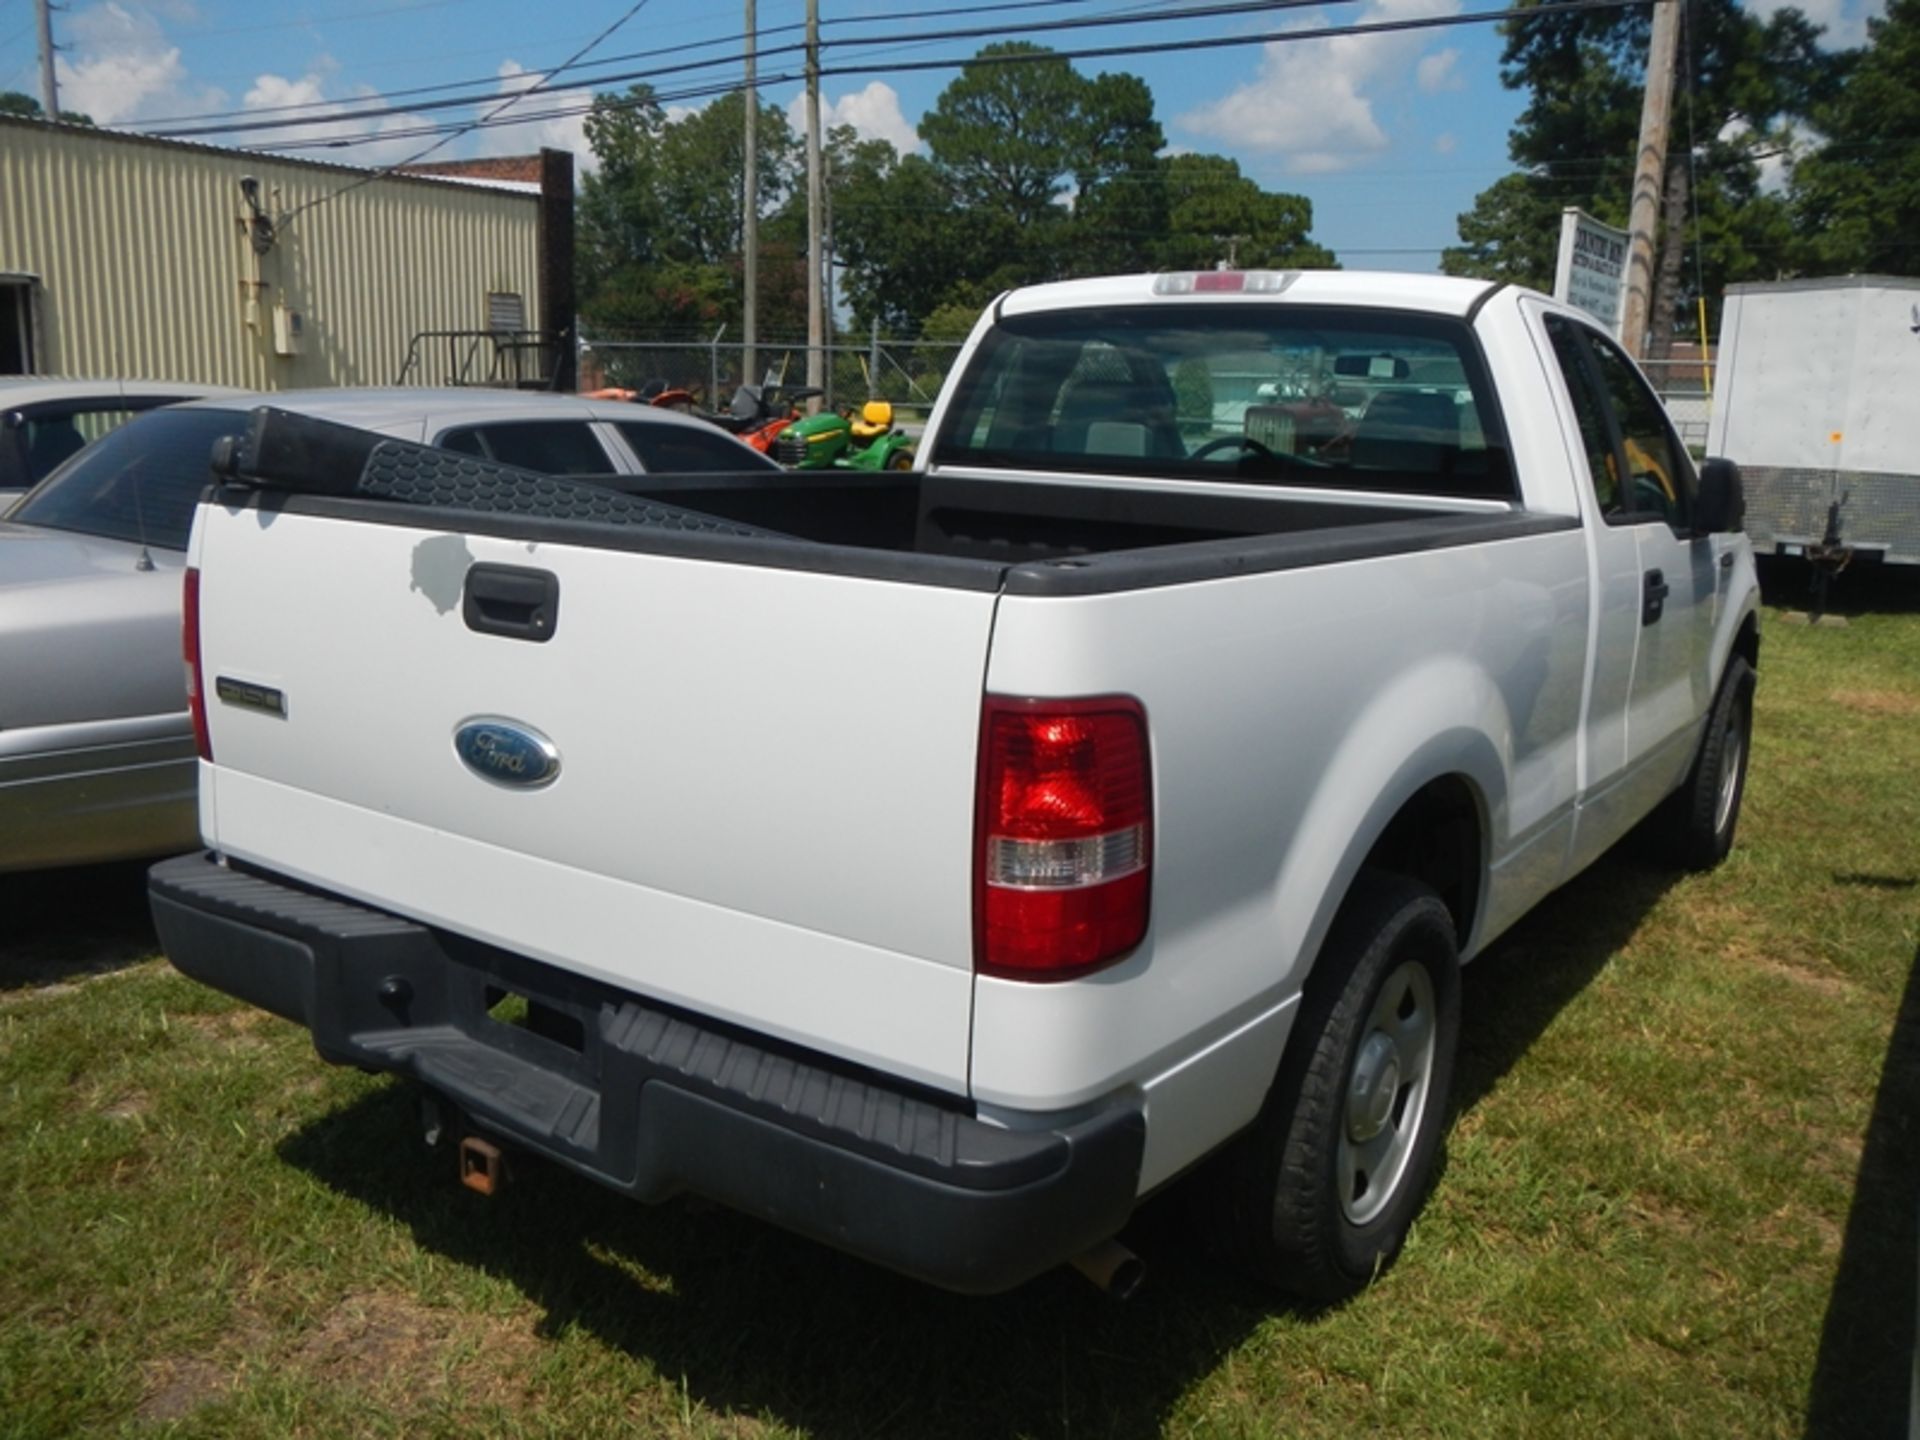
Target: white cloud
{"points": [[1439, 71], [324, 119], [119, 68], [1445, 143], [1775, 157], [874, 113], [1310, 102], [563, 132], [346, 117]]}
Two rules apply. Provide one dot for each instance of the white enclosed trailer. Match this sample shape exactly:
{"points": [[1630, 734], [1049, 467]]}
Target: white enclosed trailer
{"points": [[1818, 398]]}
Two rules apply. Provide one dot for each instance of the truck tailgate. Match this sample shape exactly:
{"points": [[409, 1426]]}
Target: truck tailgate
{"points": [[763, 809]]}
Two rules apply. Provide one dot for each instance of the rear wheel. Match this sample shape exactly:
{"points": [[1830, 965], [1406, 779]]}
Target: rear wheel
{"points": [[1321, 1192], [900, 460]]}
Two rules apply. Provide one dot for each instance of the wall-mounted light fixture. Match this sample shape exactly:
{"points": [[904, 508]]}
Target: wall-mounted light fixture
{"points": [[260, 232]]}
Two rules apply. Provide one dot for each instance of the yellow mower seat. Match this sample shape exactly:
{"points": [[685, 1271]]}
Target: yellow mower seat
{"points": [[876, 419]]}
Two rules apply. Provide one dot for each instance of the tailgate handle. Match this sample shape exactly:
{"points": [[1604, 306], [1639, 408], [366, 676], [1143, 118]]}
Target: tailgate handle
{"points": [[513, 601]]}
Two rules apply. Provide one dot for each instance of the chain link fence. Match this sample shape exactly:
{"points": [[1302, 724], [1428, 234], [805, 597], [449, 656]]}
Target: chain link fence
{"points": [[906, 372], [1686, 387]]}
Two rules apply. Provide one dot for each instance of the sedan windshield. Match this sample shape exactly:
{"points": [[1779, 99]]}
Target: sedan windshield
{"points": [[139, 483]]}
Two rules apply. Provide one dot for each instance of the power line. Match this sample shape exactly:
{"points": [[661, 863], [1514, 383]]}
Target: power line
{"points": [[1381, 27], [330, 108], [490, 81], [511, 100], [1225, 9], [347, 16]]}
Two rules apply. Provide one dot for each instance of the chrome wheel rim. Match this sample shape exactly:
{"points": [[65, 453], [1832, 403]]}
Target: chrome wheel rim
{"points": [[1388, 1083], [1733, 756]]}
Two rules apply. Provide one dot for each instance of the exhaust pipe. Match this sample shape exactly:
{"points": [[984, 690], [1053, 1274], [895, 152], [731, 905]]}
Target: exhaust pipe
{"points": [[1116, 1270]]}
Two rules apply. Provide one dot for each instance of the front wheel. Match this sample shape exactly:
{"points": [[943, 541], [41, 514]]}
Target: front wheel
{"points": [[1321, 1192], [1696, 822]]}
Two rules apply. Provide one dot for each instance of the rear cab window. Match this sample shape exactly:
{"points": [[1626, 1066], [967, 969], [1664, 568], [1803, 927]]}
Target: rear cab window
{"points": [[1269, 393]]}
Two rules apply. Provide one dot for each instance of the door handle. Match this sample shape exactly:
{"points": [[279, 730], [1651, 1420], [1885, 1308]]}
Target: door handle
{"points": [[512, 601], [1653, 597]]}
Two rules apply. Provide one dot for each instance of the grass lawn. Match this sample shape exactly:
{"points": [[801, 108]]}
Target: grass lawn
{"points": [[1680, 1198]]}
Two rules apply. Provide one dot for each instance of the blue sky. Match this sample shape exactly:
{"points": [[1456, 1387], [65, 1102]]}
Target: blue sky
{"points": [[1390, 136]]}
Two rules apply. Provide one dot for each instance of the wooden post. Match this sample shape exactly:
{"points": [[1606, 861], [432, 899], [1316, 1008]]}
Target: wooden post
{"points": [[816, 310], [49, 86], [749, 218], [1655, 110]]}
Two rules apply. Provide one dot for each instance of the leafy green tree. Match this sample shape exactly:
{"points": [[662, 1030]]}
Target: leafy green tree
{"points": [[1575, 143], [1215, 213], [905, 240], [1512, 232], [1027, 144], [1004, 133], [1120, 196], [1857, 201], [660, 220], [1034, 172], [13, 102], [619, 209]]}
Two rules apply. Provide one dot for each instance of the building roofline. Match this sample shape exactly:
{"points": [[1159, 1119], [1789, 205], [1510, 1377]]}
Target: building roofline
{"points": [[332, 167]]}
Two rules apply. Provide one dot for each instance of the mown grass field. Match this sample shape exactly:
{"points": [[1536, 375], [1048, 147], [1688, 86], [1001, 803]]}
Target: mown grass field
{"points": [[1681, 1195]]}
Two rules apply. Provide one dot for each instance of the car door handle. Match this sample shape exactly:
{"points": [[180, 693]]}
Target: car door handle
{"points": [[1653, 598], [513, 601]]}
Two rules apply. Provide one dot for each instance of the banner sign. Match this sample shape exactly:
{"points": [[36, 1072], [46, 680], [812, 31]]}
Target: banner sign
{"points": [[1591, 274]]}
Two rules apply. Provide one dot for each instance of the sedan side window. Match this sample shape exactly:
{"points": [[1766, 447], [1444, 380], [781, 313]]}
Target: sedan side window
{"points": [[552, 447], [684, 450]]}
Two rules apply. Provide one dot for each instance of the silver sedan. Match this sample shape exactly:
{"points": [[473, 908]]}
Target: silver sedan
{"points": [[43, 422], [96, 751]]}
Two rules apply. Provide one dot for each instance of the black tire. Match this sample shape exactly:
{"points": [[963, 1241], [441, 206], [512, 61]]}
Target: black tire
{"points": [[1293, 1200], [1696, 822]]}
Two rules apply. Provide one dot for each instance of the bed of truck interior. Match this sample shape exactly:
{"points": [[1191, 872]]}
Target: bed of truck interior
{"points": [[1029, 535]]}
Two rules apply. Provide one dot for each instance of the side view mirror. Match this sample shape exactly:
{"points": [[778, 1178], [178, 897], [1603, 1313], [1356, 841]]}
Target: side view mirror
{"points": [[1721, 507]]}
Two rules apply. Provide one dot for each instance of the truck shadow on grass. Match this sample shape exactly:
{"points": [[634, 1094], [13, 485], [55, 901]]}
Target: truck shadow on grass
{"points": [[753, 1322], [1861, 589], [1863, 1379], [59, 924]]}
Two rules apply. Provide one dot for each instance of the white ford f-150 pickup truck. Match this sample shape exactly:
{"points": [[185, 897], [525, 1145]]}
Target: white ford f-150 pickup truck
{"points": [[938, 864]]}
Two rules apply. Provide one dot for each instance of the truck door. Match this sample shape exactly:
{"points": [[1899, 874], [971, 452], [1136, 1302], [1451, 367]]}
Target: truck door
{"points": [[1657, 583]]}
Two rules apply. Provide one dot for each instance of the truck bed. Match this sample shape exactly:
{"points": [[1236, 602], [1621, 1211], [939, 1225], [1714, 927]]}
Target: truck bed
{"points": [[973, 532]]}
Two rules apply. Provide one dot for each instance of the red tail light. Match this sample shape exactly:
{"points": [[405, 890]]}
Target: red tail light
{"points": [[190, 651], [1065, 829]]}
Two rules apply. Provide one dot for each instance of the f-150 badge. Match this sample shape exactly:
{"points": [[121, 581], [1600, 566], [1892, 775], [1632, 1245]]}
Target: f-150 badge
{"points": [[506, 752]]}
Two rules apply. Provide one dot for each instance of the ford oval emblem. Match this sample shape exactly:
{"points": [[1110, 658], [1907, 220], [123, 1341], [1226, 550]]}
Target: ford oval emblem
{"points": [[506, 752]]}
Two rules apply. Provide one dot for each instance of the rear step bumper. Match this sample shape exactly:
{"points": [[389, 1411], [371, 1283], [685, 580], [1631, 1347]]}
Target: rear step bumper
{"points": [[654, 1102]]}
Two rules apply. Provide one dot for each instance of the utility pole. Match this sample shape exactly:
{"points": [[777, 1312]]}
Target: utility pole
{"points": [[826, 261], [750, 218], [816, 312], [49, 87], [1655, 110]]}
